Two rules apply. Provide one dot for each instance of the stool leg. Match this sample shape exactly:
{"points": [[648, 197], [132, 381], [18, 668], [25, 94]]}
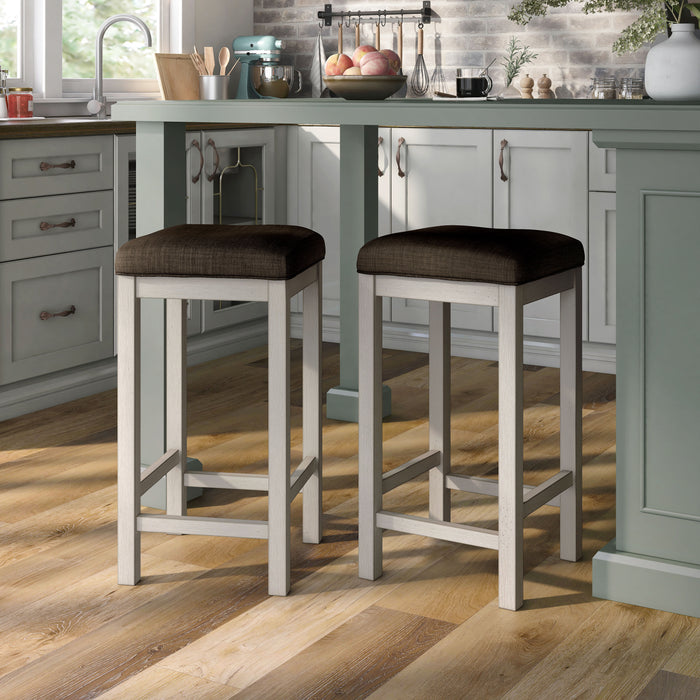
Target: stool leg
{"points": [[278, 518], [510, 448], [370, 428], [313, 490], [439, 407], [176, 403], [570, 419], [128, 431]]}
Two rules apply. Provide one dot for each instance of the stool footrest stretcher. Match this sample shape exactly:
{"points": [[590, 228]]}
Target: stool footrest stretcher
{"points": [[542, 494], [489, 487], [410, 470], [193, 525], [153, 474], [227, 480], [452, 532], [301, 475]]}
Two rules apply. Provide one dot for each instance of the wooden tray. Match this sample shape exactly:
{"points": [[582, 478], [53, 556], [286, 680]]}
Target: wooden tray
{"points": [[177, 76]]}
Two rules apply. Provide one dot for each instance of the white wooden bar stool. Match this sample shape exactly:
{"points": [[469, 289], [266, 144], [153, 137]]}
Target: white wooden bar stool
{"points": [[463, 264], [246, 263]]}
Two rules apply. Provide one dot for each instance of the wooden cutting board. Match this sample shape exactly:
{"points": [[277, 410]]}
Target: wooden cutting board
{"points": [[177, 76]]}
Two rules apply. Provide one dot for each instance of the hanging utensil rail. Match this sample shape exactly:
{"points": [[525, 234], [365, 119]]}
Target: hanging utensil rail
{"points": [[422, 15]]}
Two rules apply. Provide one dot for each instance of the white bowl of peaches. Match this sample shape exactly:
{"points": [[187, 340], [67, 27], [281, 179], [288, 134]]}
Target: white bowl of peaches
{"points": [[367, 75]]}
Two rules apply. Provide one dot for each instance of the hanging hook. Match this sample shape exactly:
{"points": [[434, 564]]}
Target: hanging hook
{"points": [[347, 20], [383, 23]]}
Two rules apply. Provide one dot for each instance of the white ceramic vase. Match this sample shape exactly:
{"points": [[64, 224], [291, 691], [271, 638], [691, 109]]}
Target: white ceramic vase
{"points": [[672, 70]]}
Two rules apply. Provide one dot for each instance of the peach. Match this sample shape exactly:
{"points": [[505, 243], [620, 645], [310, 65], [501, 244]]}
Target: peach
{"points": [[394, 60], [360, 51], [375, 63], [353, 70], [337, 64]]}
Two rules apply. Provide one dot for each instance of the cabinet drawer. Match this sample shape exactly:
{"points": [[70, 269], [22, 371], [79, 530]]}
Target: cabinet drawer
{"points": [[35, 340], [33, 227], [36, 167]]}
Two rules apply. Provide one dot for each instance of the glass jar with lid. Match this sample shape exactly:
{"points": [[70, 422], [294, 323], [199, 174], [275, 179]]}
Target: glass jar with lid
{"points": [[604, 88], [631, 89], [20, 103]]}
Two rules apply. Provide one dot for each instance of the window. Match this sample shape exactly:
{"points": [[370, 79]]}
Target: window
{"points": [[125, 54], [10, 14], [50, 44]]}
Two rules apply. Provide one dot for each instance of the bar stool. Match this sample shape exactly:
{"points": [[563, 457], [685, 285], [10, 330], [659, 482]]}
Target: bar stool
{"points": [[504, 268], [247, 263]]}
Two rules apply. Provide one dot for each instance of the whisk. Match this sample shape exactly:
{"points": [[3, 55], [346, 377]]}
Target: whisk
{"points": [[438, 81], [420, 80]]}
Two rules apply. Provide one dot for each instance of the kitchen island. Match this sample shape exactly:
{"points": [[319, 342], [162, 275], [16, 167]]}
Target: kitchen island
{"points": [[655, 559]]}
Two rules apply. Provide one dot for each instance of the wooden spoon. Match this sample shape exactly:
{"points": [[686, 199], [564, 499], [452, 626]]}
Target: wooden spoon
{"points": [[209, 61], [224, 58]]}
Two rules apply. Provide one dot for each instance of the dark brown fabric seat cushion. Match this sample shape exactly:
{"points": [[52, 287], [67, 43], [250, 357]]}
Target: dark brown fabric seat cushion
{"points": [[471, 253], [272, 252]]}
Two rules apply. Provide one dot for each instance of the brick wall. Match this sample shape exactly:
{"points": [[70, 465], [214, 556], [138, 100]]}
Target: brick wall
{"points": [[572, 47]]}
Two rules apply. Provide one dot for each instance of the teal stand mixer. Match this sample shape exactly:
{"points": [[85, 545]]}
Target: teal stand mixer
{"points": [[262, 74]]}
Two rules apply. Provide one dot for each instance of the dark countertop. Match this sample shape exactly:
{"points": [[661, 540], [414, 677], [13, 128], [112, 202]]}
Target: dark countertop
{"points": [[85, 126]]}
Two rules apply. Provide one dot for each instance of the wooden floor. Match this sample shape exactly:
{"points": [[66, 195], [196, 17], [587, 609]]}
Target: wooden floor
{"points": [[200, 624]]}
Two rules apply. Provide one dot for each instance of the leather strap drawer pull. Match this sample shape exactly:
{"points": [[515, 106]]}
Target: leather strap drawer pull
{"points": [[380, 141], [195, 144], [46, 315], [44, 166], [45, 225], [215, 172], [401, 142], [504, 177]]}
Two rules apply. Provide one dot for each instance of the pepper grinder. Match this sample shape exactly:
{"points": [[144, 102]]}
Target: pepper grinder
{"points": [[544, 91], [526, 85]]}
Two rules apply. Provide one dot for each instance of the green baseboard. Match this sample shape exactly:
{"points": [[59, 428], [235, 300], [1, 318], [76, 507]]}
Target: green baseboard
{"points": [[647, 581]]}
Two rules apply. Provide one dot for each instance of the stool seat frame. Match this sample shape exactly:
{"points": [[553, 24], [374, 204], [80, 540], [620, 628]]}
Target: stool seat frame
{"points": [[281, 486], [515, 500]]}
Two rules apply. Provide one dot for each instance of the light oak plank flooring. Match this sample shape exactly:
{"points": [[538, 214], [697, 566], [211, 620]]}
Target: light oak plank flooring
{"points": [[201, 625]]}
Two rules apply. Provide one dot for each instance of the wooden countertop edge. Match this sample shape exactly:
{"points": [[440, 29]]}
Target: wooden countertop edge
{"points": [[69, 126]]}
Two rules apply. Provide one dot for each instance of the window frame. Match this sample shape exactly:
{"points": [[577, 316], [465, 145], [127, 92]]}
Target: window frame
{"points": [[41, 47]]}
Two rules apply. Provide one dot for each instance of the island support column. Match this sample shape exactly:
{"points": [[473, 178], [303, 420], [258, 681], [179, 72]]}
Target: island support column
{"points": [[358, 224], [655, 559]]}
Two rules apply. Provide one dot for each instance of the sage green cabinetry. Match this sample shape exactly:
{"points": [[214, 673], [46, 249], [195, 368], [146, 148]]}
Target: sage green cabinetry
{"points": [[56, 248], [602, 244], [543, 184], [313, 171], [439, 177], [241, 163], [231, 180], [431, 177]]}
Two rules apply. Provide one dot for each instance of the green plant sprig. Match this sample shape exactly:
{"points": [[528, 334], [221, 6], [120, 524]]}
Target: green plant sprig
{"points": [[518, 55], [653, 18]]}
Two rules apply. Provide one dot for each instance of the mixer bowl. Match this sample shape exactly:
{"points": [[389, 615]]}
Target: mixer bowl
{"points": [[275, 79]]}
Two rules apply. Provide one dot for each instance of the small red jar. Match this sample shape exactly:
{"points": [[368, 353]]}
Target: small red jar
{"points": [[20, 103]]}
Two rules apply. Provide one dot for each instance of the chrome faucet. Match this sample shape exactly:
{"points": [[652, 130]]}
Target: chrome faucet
{"points": [[97, 105]]}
